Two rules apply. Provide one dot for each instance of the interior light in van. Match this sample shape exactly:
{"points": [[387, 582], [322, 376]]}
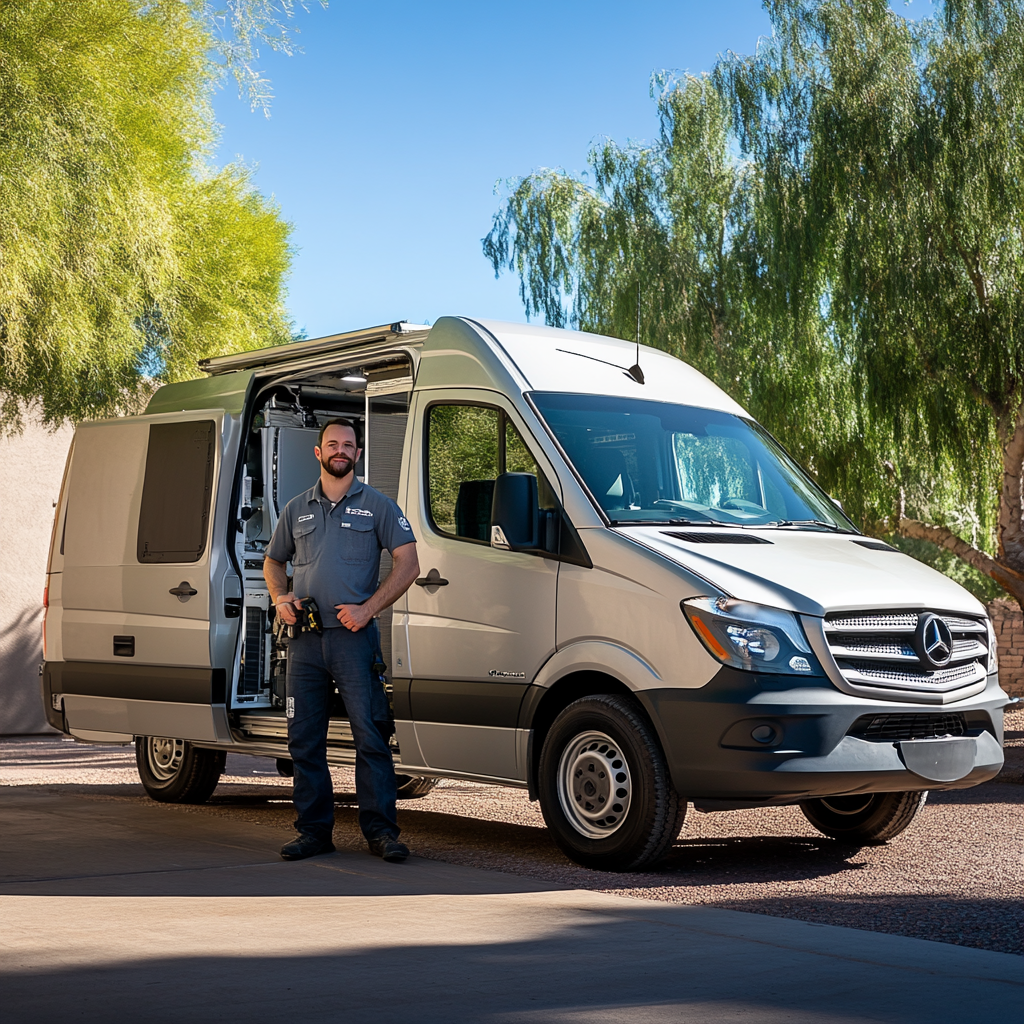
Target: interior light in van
{"points": [[748, 636]]}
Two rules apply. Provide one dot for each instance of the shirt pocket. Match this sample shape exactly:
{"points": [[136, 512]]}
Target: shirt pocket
{"points": [[358, 541], [305, 537]]}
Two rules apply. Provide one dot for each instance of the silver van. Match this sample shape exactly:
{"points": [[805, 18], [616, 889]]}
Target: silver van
{"points": [[633, 598]]}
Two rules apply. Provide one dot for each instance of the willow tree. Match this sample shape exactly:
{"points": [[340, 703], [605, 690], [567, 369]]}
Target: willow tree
{"points": [[674, 226], [832, 230], [893, 178], [123, 252]]}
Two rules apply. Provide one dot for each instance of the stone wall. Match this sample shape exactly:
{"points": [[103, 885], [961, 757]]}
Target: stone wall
{"points": [[31, 468], [1008, 623]]}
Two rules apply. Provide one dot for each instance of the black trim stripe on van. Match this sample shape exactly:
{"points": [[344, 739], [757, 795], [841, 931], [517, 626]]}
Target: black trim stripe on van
{"points": [[463, 702], [137, 682]]}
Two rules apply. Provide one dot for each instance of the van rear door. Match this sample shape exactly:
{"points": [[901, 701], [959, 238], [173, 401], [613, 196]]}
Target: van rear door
{"points": [[143, 578]]}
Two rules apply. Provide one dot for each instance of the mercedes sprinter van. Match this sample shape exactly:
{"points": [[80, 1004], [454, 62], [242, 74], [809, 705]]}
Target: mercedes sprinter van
{"points": [[633, 599]]}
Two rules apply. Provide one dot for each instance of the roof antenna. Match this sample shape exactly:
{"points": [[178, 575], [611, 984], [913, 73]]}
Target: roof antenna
{"points": [[634, 371]]}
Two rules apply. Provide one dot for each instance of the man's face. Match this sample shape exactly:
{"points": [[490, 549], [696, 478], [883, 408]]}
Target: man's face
{"points": [[337, 452]]}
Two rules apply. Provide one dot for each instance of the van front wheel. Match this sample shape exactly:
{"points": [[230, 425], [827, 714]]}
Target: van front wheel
{"points": [[865, 818], [175, 772], [604, 786]]}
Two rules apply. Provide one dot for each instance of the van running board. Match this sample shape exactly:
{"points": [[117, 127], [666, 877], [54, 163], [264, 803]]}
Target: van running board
{"points": [[275, 727]]}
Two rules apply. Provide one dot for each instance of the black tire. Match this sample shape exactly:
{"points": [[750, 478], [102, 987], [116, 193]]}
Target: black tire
{"points": [[867, 819], [602, 755], [285, 767], [412, 786], [175, 772]]}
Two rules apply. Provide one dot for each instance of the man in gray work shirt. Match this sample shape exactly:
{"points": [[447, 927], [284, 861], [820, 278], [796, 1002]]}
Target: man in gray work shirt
{"points": [[333, 535]]}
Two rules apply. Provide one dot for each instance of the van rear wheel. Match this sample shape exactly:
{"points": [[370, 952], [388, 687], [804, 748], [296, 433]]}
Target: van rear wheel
{"points": [[176, 772], [865, 818], [604, 786]]}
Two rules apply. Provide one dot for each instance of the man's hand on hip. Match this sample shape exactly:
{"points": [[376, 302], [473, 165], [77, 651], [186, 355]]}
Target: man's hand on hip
{"points": [[354, 616]]}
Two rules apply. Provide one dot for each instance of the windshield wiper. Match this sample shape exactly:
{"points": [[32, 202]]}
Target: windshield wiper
{"points": [[808, 522], [673, 522]]}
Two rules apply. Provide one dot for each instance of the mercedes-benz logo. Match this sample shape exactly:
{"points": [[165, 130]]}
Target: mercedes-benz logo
{"points": [[933, 640]]}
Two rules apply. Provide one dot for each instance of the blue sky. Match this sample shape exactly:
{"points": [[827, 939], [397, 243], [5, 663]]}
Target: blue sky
{"points": [[388, 133]]}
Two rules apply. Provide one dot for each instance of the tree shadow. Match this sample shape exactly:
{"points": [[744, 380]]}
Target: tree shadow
{"points": [[598, 965]]}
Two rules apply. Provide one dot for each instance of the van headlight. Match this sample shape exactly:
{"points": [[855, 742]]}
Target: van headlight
{"points": [[751, 637]]}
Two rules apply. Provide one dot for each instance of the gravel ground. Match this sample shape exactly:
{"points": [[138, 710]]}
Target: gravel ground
{"points": [[954, 876]]}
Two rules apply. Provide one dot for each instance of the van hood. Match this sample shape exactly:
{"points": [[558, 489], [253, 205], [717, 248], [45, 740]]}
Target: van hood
{"points": [[807, 571]]}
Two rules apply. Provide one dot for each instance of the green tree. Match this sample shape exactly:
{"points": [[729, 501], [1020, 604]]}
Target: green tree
{"points": [[867, 302], [675, 225], [892, 178], [122, 250]]}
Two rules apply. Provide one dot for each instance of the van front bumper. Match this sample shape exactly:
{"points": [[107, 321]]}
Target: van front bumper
{"points": [[752, 739]]}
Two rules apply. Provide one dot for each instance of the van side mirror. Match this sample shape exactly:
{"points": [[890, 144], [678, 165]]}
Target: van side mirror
{"points": [[515, 512]]}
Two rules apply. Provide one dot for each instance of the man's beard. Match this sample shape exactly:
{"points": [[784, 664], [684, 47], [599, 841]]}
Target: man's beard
{"points": [[346, 465]]}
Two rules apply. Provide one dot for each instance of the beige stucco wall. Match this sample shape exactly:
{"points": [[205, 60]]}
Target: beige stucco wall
{"points": [[31, 467]]}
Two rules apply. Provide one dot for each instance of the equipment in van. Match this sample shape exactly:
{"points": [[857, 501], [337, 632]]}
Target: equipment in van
{"points": [[633, 599]]}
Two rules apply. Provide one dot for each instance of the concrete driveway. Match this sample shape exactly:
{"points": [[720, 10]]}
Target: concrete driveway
{"points": [[125, 911]]}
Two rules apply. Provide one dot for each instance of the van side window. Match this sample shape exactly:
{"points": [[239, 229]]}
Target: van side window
{"points": [[462, 461], [468, 446], [177, 491]]}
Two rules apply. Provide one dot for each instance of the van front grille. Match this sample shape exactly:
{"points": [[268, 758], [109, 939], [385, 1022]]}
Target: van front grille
{"points": [[907, 727], [876, 653]]}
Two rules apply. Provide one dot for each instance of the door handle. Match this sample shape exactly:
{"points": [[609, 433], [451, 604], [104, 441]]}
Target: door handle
{"points": [[183, 591], [432, 579]]}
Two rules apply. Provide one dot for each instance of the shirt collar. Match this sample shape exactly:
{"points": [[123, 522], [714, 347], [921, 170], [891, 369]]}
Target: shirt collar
{"points": [[318, 491]]}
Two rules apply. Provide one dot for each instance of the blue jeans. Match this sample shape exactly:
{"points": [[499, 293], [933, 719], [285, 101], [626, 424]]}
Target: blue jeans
{"points": [[315, 665]]}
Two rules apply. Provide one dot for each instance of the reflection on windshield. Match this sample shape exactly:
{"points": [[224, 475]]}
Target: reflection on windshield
{"points": [[662, 463]]}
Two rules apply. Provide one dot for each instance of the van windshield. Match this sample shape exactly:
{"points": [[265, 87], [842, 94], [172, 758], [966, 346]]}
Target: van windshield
{"points": [[654, 462]]}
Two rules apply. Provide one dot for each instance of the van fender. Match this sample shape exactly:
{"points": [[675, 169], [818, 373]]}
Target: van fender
{"points": [[604, 656]]}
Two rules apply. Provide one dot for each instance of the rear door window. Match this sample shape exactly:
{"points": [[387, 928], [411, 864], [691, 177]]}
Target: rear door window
{"points": [[176, 495]]}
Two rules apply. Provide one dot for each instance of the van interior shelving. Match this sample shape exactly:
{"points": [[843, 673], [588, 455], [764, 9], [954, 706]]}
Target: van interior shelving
{"points": [[277, 465]]}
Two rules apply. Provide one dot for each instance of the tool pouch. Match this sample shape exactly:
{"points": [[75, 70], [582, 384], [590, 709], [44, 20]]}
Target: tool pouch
{"points": [[311, 621]]}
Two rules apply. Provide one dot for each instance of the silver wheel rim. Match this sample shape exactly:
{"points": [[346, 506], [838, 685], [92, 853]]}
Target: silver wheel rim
{"points": [[594, 785], [164, 757], [849, 812]]}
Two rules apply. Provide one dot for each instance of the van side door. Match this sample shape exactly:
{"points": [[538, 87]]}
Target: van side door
{"points": [[146, 633], [477, 637]]}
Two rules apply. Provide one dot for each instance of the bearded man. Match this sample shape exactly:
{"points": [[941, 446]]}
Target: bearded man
{"points": [[333, 535]]}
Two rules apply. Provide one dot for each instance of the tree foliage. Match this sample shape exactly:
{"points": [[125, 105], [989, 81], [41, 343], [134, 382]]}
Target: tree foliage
{"points": [[122, 250], [832, 230]]}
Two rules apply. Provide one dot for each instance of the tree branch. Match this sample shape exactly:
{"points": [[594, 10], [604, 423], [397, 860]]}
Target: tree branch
{"points": [[1006, 577]]}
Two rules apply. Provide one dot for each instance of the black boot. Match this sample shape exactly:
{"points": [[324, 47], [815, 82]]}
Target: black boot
{"points": [[306, 846]]}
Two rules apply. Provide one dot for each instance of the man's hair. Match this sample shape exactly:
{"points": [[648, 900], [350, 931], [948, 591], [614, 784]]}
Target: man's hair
{"points": [[339, 422]]}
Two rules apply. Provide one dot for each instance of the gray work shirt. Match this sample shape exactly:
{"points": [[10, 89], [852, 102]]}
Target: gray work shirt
{"points": [[335, 553]]}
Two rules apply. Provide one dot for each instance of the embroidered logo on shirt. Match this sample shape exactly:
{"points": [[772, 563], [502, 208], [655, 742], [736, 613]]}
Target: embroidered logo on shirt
{"points": [[403, 522], [303, 519], [350, 511]]}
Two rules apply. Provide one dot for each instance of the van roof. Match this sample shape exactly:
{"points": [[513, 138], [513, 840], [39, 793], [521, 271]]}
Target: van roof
{"points": [[459, 351], [554, 359]]}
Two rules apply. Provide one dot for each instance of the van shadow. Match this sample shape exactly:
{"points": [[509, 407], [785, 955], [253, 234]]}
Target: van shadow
{"points": [[691, 863]]}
